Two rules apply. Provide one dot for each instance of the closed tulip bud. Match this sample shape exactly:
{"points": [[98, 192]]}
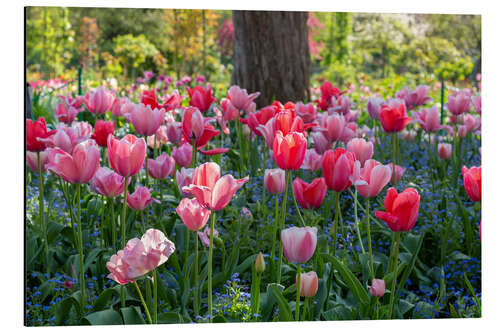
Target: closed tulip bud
{"points": [[260, 264], [274, 181], [472, 182], [308, 284], [299, 244], [218, 242], [401, 210], [377, 289], [140, 199], [334, 125], [146, 120], [174, 131], [193, 123], [444, 150]]}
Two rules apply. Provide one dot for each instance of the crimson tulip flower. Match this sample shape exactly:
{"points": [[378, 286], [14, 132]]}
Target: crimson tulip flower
{"points": [[102, 130], [201, 97], [337, 168], [472, 182], [401, 210], [36, 130], [289, 150], [309, 195], [393, 116]]}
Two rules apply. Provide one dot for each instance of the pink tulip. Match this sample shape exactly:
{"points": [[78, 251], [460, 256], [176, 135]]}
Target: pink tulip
{"points": [[321, 143], [126, 156], [334, 125], [99, 101], [299, 244], [377, 289], [107, 183], [444, 150], [163, 166], [476, 101], [240, 98], [160, 137], [373, 106], [361, 149], [140, 199], [77, 168], [230, 112], [312, 160], [184, 177], [307, 112], [459, 103], [146, 121], [429, 119], [66, 138], [268, 131], [340, 105], [205, 236], [308, 284], [371, 179], [409, 135], [274, 180], [337, 169], [309, 195], [462, 131], [221, 121], [66, 113], [192, 214], [399, 171], [471, 123], [32, 160], [116, 107], [140, 256], [193, 124], [174, 132], [348, 133], [183, 155], [213, 191]]}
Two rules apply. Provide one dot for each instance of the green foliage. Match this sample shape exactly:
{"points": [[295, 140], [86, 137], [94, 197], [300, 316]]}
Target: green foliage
{"points": [[133, 52]]}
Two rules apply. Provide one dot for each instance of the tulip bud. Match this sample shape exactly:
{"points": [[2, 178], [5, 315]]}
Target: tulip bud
{"points": [[377, 288], [260, 264], [218, 242]]}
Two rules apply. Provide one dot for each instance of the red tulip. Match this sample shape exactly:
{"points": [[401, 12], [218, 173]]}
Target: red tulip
{"points": [[309, 195], [472, 182], [36, 130], [192, 214], [126, 156], [289, 151], [193, 123], [108, 183], [401, 210], [287, 122], [149, 98], [299, 244], [102, 130], [162, 167], [213, 191], [393, 116], [201, 97], [338, 168], [77, 168]]}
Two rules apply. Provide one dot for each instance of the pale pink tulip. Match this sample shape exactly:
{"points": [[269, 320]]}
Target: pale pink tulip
{"points": [[307, 112], [192, 214], [274, 180], [444, 150], [240, 98], [32, 160], [334, 125], [377, 289], [183, 155], [459, 103], [146, 121], [108, 183], [174, 132], [373, 106], [361, 149], [116, 107], [429, 119], [308, 284], [126, 156], [312, 160], [140, 199], [99, 101], [162, 167], [299, 244], [184, 177], [205, 236], [370, 179]]}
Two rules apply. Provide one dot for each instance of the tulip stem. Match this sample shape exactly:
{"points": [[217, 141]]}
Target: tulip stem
{"points": [[113, 224], [80, 253], [370, 253], [275, 230], [124, 211], [357, 221], [295, 203], [394, 158], [210, 254], [196, 304], [101, 224], [193, 159], [282, 224], [297, 299], [155, 297], [43, 224], [143, 302], [186, 255], [395, 272], [336, 222]]}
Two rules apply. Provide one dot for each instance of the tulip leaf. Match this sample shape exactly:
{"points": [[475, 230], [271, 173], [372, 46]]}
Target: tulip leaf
{"points": [[132, 315], [105, 317], [411, 263], [275, 290], [169, 318], [104, 297], [64, 308], [219, 319], [350, 279]]}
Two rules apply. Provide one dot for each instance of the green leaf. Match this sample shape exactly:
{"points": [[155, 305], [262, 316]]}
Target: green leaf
{"points": [[64, 308], [411, 265], [105, 317], [275, 290], [405, 306], [104, 297], [132, 315], [350, 279], [53, 230], [91, 257], [219, 319], [169, 318]]}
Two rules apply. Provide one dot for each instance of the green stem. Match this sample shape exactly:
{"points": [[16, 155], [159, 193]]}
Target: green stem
{"points": [[196, 303], [143, 302], [101, 225], [297, 299], [186, 255], [297, 206], [155, 295], [370, 253], [275, 230], [43, 224], [394, 158], [282, 224], [124, 211], [394, 275], [80, 252], [357, 221], [210, 254], [335, 222], [113, 224], [193, 159]]}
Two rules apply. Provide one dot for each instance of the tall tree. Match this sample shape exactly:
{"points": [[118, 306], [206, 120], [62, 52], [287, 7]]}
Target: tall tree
{"points": [[271, 55]]}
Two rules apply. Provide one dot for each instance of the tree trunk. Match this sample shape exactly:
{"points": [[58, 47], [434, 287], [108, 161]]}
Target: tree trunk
{"points": [[271, 55]]}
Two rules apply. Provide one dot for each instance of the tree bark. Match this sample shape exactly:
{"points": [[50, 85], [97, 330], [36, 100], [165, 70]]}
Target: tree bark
{"points": [[271, 55]]}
